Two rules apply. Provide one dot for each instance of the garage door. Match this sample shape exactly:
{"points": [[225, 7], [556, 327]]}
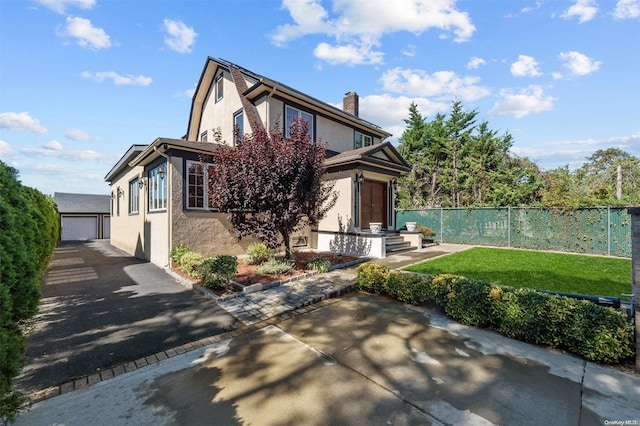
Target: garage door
{"points": [[79, 228]]}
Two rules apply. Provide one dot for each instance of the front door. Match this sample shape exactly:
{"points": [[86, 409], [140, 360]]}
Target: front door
{"points": [[373, 203]]}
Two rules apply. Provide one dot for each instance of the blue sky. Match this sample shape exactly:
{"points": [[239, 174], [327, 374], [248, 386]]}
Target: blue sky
{"points": [[83, 80]]}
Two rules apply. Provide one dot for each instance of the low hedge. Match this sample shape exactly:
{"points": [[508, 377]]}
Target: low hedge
{"points": [[594, 332]]}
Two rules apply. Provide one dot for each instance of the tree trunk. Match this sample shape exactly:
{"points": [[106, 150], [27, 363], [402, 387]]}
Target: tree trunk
{"points": [[287, 244], [619, 182]]}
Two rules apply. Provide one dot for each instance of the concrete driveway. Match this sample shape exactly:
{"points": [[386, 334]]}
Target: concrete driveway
{"points": [[357, 360], [102, 307]]}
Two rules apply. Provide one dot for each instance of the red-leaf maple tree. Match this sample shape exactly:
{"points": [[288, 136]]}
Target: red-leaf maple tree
{"points": [[271, 185]]}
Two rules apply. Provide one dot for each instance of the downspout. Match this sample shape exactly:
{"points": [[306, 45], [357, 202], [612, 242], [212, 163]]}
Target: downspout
{"points": [[169, 200], [268, 118]]}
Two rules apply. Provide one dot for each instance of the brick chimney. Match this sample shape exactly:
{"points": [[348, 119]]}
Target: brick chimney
{"points": [[350, 103]]}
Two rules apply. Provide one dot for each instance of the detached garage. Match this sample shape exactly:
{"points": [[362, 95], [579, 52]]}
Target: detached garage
{"points": [[83, 216]]}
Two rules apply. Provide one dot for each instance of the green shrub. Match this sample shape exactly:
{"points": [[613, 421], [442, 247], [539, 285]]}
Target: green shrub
{"points": [[409, 288], [319, 263], [372, 277], [218, 272], [29, 230], [258, 253], [275, 267], [177, 253], [189, 261], [467, 302], [594, 332]]}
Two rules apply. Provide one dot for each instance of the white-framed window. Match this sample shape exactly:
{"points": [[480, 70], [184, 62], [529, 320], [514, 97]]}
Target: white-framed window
{"points": [[197, 185], [291, 113], [134, 196], [158, 188], [219, 86], [361, 140], [238, 127], [204, 136]]}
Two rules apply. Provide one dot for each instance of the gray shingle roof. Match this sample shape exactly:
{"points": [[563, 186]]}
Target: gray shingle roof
{"points": [[82, 203]]}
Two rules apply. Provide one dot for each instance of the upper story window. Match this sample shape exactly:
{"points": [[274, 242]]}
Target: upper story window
{"points": [[362, 140], [219, 86], [197, 178], [291, 113], [134, 196], [238, 127], [158, 188], [204, 136]]}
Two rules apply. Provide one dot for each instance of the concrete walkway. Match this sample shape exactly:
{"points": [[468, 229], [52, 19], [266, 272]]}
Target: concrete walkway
{"points": [[355, 360]]}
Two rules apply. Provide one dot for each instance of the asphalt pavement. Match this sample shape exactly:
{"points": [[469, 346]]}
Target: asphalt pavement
{"points": [[101, 307]]}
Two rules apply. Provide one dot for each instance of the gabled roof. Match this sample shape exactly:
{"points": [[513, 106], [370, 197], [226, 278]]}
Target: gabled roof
{"points": [[123, 162], [81, 203], [266, 86], [141, 155], [374, 157]]}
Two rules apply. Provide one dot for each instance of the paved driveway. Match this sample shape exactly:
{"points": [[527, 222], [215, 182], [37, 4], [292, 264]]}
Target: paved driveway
{"points": [[102, 307], [356, 360]]}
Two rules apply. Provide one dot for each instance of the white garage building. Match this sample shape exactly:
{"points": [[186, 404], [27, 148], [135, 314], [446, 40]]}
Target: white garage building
{"points": [[83, 216]]}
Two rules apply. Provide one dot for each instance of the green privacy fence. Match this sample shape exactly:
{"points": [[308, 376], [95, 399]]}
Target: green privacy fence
{"points": [[602, 230]]}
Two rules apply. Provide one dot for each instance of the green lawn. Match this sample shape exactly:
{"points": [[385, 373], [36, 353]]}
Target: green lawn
{"points": [[567, 273]]}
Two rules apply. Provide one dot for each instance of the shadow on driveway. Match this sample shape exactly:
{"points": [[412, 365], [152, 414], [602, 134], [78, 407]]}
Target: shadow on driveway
{"points": [[102, 307]]}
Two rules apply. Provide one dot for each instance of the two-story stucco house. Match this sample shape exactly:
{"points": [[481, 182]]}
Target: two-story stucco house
{"points": [[159, 194]]}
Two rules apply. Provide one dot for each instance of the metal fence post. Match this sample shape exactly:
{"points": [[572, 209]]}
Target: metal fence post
{"points": [[509, 227], [441, 226], [608, 231]]}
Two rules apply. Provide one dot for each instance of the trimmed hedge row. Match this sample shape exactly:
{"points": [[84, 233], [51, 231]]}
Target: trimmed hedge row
{"points": [[594, 332], [29, 230]]}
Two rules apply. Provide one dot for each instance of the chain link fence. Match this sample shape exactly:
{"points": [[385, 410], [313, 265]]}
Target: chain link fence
{"points": [[598, 230]]}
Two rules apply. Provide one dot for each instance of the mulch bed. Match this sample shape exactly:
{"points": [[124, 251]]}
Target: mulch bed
{"points": [[248, 274]]}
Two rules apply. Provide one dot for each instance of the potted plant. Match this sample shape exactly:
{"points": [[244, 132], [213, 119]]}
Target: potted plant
{"points": [[411, 226], [375, 227], [427, 234]]}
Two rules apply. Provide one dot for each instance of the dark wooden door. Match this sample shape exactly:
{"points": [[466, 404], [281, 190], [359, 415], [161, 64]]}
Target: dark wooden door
{"points": [[373, 203]]}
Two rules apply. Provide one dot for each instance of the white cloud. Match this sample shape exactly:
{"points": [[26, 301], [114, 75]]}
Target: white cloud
{"points": [[475, 62], [118, 80], [78, 135], [348, 54], [54, 149], [621, 142], [528, 9], [358, 25], [530, 100], [442, 84], [389, 112], [21, 121], [60, 6], [409, 50], [525, 66], [86, 34], [53, 145], [180, 38], [585, 10], [5, 149], [627, 9], [578, 63]]}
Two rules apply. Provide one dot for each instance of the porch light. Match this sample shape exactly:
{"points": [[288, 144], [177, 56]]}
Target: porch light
{"points": [[140, 183], [360, 177], [120, 192], [161, 172], [394, 184]]}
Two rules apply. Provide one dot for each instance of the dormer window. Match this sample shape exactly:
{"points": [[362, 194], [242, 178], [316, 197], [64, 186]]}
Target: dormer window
{"points": [[293, 113], [361, 140], [219, 87]]}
